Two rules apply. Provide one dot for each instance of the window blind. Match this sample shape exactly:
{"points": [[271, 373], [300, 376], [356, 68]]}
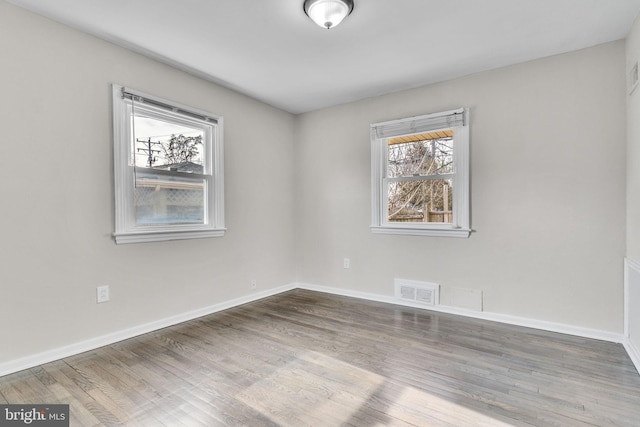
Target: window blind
{"points": [[166, 105], [419, 124]]}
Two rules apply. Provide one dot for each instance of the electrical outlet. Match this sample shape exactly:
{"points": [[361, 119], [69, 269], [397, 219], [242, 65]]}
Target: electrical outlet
{"points": [[254, 284], [102, 294], [346, 263]]}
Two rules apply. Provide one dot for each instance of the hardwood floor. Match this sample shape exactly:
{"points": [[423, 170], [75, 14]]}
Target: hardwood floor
{"points": [[304, 358]]}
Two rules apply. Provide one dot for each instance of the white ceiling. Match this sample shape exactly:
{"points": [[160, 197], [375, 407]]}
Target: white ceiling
{"points": [[270, 50]]}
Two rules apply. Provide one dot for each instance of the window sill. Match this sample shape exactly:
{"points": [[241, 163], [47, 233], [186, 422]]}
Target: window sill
{"points": [[419, 231], [161, 236]]}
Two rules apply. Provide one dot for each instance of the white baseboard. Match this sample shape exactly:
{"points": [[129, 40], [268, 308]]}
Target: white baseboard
{"points": [[496, 317], [93, 343], [634, 353]]}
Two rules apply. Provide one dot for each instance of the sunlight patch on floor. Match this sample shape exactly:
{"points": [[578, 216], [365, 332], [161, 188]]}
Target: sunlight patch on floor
{"points": [[316, 389]]}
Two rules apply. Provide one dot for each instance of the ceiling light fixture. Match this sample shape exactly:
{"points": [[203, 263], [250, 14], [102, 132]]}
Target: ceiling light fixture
{"points": [[328, 13]]}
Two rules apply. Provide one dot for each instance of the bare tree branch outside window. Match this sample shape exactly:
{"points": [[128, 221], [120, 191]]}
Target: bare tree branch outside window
{"points": [[420, 200]]}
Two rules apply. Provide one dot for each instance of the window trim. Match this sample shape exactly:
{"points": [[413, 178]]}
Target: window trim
{"points": [[126, 230], [458, 120]]}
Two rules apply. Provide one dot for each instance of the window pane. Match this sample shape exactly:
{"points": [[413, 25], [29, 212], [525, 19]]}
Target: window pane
{"points": [[161, 199], [164, 145], [421, 156], [421, 201]]}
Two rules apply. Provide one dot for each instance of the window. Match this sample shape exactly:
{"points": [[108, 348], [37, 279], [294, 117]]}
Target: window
{"points": [[420, 175], [168, 170]]}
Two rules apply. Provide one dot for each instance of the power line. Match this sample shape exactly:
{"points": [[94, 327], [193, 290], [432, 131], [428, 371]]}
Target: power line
{"points": [[151, 159]]}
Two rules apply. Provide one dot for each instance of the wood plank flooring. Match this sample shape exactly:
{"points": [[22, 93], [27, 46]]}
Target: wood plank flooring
{"points": [[305, 358]]}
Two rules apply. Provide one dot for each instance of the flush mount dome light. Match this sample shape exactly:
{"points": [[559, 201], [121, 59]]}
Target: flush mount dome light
{"points": [[328, 13]]}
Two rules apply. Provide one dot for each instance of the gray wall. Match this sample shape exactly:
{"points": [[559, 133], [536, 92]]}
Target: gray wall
{"points": [[548, 192], [57, 194], [633, 195], [633, 153]]}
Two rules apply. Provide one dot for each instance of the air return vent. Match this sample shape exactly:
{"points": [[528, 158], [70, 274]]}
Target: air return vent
{"points": [[418, 292]]}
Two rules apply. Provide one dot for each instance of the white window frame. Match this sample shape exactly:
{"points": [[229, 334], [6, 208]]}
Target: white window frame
{"points": [[458, 121], [126, 228]]}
